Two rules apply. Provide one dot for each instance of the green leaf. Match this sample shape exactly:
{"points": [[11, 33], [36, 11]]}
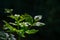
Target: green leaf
{"points": [[21, 33], [16, 17], [39, 24], [21, 19], [12, 23], [32, 31], [28, 18], [7, 25], [12, 16]]}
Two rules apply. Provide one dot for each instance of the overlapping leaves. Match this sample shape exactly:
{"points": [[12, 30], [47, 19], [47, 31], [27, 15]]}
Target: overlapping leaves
{"points": [[23, 23], [6, 36]]}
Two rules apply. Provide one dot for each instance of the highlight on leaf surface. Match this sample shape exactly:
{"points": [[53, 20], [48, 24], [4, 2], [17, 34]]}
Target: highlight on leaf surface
{"points": [[32, 31], [38, 17], [12, 23], [26, 24], [16, 16], [39, 24]]}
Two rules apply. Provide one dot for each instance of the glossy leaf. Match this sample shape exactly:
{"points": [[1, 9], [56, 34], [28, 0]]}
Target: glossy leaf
{"points": [[32, 31], [39, 24]]}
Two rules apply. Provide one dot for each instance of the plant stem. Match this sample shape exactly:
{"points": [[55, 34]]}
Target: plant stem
{"points": [[18, 29], [19, 38]]}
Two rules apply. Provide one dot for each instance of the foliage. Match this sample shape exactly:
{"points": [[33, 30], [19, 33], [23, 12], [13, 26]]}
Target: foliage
{"points": [[6, 36], [23, 24]]}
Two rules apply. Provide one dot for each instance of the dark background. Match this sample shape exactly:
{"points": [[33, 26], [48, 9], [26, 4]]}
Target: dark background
{"points": [[50, 9]]}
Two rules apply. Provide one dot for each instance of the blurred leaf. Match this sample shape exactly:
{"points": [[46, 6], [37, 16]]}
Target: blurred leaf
{"points": [[6, 36], [32, 31], [28, 18], [21, 19], [16, 17], [11, 37], [39, 24], [2, 36], [9, 27], [12, 23], [8, 10], [12, 16], [21, 33], [38, 17]]}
